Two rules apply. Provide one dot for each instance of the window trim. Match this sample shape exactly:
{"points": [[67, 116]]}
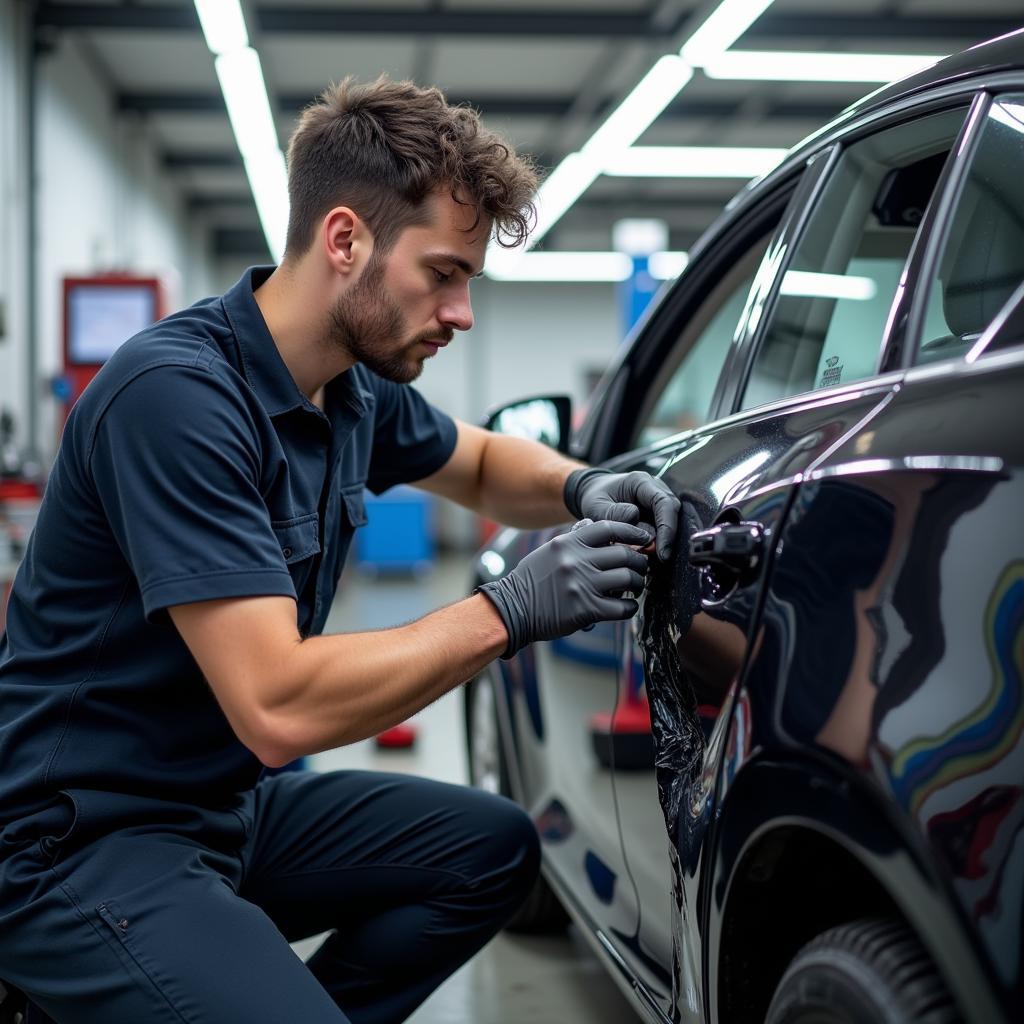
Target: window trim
{"points": [[952, 182], [882, 122], [610, 425], [818, 171]]}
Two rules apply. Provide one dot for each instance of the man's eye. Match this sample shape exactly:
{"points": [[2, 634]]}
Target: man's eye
{"points": [[441, 277]]}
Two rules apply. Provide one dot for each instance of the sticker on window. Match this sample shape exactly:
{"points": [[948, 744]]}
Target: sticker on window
{"points": [[833, 372]]}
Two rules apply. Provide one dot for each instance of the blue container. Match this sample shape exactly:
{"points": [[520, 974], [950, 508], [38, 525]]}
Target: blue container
{"points": [[397, 536]]}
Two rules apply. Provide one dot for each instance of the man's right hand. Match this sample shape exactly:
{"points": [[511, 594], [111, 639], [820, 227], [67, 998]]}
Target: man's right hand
{"points": [[571, 582]]}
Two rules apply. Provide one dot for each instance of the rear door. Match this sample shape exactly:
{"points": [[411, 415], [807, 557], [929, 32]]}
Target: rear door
{"points": [[805, 375], [920, 689]]}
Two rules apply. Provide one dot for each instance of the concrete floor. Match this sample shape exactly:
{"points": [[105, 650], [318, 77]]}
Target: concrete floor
{"points": [[549, 980]]}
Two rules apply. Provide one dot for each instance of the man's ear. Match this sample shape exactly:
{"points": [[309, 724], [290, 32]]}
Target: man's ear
{"points": [[347, 241]]}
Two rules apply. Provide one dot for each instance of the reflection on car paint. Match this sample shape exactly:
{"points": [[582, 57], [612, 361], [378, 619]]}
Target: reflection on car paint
{"points": [[601, 877], [985, 735], [888, 694], [554, 825]]}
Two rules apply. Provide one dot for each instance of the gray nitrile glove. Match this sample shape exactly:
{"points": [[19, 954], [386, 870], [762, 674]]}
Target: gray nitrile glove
{"points": [[599, 494], [571, 582]]}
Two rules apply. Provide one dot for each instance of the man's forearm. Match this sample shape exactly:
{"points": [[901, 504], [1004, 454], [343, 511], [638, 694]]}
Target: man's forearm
{"points": [[351, 686], [522, 483]]}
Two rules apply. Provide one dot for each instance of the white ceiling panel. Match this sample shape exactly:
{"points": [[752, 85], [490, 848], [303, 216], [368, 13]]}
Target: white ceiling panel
{"points": [[304, 64], [194, 132], [154, 61], [215, 181], [575, 77], [520, 67]]}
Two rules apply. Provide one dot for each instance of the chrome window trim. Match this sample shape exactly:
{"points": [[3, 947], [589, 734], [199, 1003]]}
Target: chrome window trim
{"points": [[941, 223]]}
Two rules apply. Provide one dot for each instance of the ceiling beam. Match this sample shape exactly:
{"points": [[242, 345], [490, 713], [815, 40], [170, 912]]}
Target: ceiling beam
{"points": [[181, 160], [208, 200], [535, 23], [367, 20], [686, 107], [240, 242], [776, 25]]}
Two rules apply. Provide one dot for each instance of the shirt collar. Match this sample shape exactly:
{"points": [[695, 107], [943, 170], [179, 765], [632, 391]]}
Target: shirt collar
{"points": [[262, 364]]}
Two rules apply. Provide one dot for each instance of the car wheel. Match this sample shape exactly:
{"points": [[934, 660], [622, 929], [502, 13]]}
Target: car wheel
{"points": [[488, 770], [865, 972]]}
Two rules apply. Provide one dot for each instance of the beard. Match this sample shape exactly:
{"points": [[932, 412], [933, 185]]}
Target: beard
{"points": [[368, 324]]}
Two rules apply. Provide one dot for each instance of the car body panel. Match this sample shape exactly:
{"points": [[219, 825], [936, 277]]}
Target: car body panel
{"points": [[835, 693], [896, 655]]}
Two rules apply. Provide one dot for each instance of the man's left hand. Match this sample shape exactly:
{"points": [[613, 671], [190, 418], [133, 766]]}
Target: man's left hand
{"points": [[626, 497]]}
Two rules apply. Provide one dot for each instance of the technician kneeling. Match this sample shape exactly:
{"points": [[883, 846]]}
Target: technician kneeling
{"points": [[163, 645]]}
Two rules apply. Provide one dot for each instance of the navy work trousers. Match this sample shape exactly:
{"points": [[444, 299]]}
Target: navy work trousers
{"points": [[181, 925]]}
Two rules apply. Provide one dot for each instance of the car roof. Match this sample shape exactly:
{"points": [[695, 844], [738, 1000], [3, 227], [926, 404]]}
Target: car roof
{"points": [[1003, 53]]}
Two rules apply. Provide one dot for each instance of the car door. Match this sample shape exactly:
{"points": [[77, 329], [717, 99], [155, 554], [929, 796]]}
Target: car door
{"points": [[804, 376], [917, 695]]}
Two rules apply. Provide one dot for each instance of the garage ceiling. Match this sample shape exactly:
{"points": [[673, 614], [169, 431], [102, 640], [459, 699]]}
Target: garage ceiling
{"points": [[543, 72]]}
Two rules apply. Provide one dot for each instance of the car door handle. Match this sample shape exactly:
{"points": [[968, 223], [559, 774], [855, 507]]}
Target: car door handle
{"points": [[736, 547]]}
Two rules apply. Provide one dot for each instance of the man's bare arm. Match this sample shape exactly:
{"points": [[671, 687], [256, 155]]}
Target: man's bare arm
{"points": [[286, 697], [514, 481]]}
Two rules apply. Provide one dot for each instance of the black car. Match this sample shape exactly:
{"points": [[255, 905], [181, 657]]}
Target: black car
{"points": [[793, 787]]}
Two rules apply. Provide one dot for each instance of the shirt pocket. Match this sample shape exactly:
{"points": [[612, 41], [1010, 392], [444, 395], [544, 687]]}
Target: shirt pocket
{"points": [[299, 540], [354, 500]]}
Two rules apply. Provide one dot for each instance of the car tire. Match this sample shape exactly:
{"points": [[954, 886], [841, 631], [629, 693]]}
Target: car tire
{"points": [[865, 972], [541, 912]]}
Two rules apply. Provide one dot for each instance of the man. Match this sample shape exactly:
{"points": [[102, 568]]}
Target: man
{"points": [[163, 634]]}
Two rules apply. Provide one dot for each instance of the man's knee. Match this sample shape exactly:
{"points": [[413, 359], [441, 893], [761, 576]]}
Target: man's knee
{"points": [[512, 846]]}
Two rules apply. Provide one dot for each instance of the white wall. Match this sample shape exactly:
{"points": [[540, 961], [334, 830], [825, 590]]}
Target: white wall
{"points": [[104, 204], [528, 339], [13, 206]]}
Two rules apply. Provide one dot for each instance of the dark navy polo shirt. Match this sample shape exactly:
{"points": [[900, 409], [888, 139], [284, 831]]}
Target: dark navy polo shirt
{"points": [[192, 468]]}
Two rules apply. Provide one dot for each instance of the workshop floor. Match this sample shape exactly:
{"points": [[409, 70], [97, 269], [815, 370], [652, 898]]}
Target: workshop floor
{"points": [[548, 980]]}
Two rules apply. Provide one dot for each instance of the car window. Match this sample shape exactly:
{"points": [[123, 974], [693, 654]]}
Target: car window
{"points": [[681, 396], [982, 260], [829, 320]]}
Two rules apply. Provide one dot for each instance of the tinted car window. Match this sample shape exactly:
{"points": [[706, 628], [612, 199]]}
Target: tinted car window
{"points": [[982, 261], [829, 320], [681, 396]]}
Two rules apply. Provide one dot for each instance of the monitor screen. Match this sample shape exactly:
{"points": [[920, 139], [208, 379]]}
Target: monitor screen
{"points": [[101, 317]]}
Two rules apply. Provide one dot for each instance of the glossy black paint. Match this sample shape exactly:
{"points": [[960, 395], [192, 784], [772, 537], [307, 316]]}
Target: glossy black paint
{"points": [[841, 733]]}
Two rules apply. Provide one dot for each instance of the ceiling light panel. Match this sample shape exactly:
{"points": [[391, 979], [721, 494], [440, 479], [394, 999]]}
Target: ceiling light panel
{"points": [[223, 25], [693, 162], [802, 66], [722, 28]]}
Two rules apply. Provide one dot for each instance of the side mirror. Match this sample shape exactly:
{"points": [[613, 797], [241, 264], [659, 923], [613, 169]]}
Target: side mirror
{"points": [[547, 419]]}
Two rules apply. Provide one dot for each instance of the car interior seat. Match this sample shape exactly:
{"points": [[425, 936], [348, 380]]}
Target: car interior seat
{"points": [[983, 262]]}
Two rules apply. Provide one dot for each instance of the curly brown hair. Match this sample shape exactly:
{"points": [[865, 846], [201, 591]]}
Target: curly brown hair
{"points": [[384, 146]]}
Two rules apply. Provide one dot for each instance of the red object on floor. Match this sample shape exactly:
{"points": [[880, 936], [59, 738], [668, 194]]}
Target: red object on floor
{"points": [[398, 737], [631, 715]]}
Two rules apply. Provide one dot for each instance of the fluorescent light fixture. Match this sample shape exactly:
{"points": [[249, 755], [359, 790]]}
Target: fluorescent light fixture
{"points": [[252, 120], [610, 267], [639, 236], [561, 266], [827, 286], [223, 25], [693, 162], [667, 265], [575, 174], [562, 187], [801, 66], [268, 180], [726, 23], [1009, 114], [635, 114], [245, 94]]}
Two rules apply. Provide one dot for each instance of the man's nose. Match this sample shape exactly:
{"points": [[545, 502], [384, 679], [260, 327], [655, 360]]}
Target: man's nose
{"points": [[457, 313]]}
